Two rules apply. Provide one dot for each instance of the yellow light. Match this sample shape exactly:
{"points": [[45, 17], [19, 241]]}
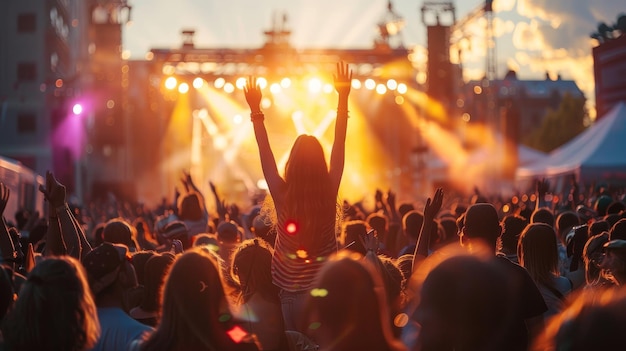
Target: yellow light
{"points": [[220, 142], [266, 103], [262, 82], [506, 208], [392, 84], [219, 83], [168, 70], [478, 90], [370, 84], [171, 83], [275, 88], [285, 83], [237, 119], [381, 89], [262, 184], [315, 85], [229, 87], [110, 104], [356, 84], [183, 88], [240, 83], [198, 83], [319, 292], [466, 117], [328, 88], [399, 100], [297, 115], [402, 88]]}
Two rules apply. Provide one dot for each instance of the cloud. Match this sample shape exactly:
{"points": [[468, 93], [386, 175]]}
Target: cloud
{"points": [[555, 38]]}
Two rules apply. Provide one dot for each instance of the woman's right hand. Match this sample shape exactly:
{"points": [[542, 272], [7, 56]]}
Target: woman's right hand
{"points": [[343, 79], [253, 94]]}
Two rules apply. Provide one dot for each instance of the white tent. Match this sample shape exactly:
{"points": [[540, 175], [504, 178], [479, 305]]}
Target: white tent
{"points": [[527, 155], [598, 153]]}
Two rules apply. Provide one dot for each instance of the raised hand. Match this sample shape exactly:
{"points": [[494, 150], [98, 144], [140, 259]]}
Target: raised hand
{"points": [[185, 181], [370, 241], [253, 94], [391, 200], [432, 207], [54, 191], [343, 79]]}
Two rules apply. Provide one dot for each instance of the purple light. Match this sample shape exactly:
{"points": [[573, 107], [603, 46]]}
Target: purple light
{"points": [[77, 109]]}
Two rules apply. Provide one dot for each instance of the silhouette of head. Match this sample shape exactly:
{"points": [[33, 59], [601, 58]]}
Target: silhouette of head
{"points": [[118, 231], [412, 223], [190, 207], [464, 305], [481, 222], [347, 304], [55, 309], [542, 215]]}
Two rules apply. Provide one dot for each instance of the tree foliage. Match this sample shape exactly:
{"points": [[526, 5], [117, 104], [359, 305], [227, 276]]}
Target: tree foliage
{"points": [[560, 126], [606, 33]]}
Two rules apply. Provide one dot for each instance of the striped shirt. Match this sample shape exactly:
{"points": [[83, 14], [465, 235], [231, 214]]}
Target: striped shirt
{"points": [[293, 269]]}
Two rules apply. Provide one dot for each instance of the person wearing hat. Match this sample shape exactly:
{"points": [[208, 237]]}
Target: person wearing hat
{"points": [[614, 262], [110, 276]]}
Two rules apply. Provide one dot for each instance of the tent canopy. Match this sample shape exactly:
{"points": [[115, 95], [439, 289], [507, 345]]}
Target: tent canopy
{"points": [[598, 153]]}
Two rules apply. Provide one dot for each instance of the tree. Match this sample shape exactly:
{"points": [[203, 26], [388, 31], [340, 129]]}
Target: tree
{"points": [[560, 126], [608, 33]]}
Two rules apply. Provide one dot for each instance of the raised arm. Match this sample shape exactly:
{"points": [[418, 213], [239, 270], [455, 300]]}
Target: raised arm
{"points": [[190, 186], [268, 162], [343, 81], [430, 212], [72, 238], [7, 249]]}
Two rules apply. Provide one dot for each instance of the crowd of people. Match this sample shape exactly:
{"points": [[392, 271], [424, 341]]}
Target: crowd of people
{"points": [[304, 271]]}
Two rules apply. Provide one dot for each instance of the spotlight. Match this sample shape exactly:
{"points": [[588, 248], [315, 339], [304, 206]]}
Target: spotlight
{"points": [[370, 84], [315, 85], [381, 89], [219, 83], [183, 88], [285, 83], [170, 83], [77, 109], [198, 83], [229, 87], [240, 83], [402, 88]]}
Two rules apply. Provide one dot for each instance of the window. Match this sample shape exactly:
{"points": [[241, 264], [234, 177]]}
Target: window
{"points": [[26, 123], [26, 71], [26, 23]]}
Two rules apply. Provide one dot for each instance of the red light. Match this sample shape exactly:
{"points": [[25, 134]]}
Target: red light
{"points": [[237, 334], [291, 227]]}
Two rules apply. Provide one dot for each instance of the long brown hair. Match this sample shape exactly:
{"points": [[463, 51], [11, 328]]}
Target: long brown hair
{"points": [[538, 253], [55, 309], [310, 199], [195, 311]]}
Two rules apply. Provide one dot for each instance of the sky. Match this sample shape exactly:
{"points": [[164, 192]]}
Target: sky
{"points": [[533, 37]]}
